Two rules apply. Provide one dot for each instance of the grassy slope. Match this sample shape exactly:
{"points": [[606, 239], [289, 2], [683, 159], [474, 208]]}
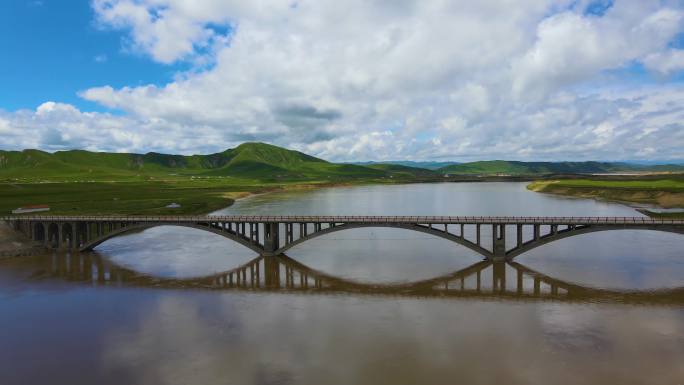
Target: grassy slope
{"points": [[249, 160], [267, 161], [663, 192], [134, 198], [405, 171], [145, 183], [540, 168], [80, 182], [414, 164]]}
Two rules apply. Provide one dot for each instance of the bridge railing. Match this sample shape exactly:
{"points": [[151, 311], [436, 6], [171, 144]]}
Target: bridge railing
{"points": [[354, 219]]}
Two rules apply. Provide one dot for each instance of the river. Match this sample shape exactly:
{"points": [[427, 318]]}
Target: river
{"points": [[143, 314]]}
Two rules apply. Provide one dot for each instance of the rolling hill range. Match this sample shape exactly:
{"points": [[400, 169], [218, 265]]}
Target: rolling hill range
{"points": [[408, 163], [264, 162], [502, 167], [247, 161]]}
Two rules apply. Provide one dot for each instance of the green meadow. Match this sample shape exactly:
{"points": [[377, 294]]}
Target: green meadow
{"points": [[667, 192], [82, 182]]}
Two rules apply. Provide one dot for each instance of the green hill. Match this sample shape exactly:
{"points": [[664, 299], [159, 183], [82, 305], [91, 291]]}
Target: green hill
{"points": [[400, 170], [248, 161], [260, 162], [503, 167], [408, 163]]}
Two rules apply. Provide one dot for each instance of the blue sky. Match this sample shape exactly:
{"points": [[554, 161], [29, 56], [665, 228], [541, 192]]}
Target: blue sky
{"points": [[354, 80], [53, 51]]}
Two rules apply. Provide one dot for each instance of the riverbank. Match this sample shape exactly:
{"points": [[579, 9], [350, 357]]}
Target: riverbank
{"points": [[145, 198], [664, 193], [203, 196], [15, 244]]}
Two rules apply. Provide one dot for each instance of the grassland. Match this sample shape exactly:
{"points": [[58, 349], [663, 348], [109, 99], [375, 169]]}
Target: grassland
{"points": [[140, 198], [255, 161], [82, 182], [667, 192], [115, 197], [503, 167]]}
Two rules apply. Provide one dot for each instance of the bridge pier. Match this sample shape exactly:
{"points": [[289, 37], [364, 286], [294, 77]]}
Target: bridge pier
{"points": [[271, 272], [499, 242], [499, 276], [271, 238]]}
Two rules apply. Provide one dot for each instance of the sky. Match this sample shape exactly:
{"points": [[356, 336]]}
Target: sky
{"points": [[351, 80]]}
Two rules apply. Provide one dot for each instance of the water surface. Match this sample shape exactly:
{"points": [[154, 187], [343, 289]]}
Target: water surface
{"points": [[130, 314]]}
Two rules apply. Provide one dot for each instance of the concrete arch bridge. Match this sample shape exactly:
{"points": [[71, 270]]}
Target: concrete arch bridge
{"points": [[495, 238]]}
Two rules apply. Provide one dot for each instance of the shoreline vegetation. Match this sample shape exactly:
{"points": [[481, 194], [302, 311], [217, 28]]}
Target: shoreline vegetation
{"points": [[82, 182], [636, 191]]}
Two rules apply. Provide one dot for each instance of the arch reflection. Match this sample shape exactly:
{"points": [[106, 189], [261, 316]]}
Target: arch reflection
{"points": [[484, 279]]}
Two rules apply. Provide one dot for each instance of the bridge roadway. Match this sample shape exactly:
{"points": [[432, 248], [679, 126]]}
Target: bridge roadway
{"points": [[495, 238]]}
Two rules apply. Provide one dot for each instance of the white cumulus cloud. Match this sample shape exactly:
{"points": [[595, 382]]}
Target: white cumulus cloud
{"points": [[385, 79]]}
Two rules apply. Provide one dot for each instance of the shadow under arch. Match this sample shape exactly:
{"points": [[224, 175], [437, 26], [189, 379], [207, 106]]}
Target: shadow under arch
{"points": [[562, 234], [128, 229], [411, 227], [484, 279]]}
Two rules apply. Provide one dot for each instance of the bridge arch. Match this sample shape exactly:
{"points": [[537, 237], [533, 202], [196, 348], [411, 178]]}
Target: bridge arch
{"points": [[53, 234], [39, 231], [67, 236], [258, 270], [143, 226], [534, 243], [406, 226]]}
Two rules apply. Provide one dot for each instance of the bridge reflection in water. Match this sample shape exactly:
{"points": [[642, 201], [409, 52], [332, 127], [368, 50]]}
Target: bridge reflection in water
{"points": [[485, 279]]}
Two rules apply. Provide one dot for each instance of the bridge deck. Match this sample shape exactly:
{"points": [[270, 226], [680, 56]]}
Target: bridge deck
{"points": [[359, 219]]}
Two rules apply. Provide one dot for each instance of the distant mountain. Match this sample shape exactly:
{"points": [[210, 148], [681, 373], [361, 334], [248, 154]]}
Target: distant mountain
{"points": [[409, 163], [503, 167], [655, 162], [248, 161], [265, 162], [398, 169]]}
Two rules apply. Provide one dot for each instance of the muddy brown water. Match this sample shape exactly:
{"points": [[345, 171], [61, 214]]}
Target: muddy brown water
{"points": [[379, 305]]}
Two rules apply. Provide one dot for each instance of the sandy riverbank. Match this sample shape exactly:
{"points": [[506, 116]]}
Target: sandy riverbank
{"points": [[15, 244], [636, 197]]}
